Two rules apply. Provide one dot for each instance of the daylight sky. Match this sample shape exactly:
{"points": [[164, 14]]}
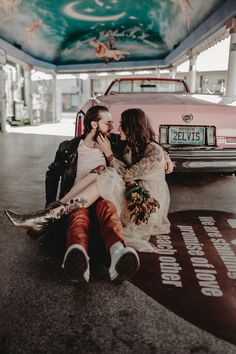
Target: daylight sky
{"points": [[215, 58]]}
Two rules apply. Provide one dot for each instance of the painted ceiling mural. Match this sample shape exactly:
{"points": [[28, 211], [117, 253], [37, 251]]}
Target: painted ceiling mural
{"points": [[91, 31]]}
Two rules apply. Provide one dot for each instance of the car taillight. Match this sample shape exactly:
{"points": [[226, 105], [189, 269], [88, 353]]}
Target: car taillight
{"points": [[163, 139], [211, 136], [78, 124]]}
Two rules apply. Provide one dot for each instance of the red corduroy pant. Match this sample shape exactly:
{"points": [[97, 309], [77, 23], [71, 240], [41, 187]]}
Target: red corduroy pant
{"points": [[111, 230]]}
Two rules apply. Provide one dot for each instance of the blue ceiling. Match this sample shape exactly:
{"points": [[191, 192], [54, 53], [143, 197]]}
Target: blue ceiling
{"points": [[98, 34]]}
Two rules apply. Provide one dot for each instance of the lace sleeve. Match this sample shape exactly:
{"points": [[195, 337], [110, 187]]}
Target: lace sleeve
{"points": [[150, 161]]}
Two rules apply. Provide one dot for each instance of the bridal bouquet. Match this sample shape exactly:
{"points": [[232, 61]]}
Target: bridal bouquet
{"points": [[140, 204]]}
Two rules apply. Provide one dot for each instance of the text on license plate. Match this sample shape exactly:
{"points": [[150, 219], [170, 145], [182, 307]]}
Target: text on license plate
{"points": [[187, 135]]}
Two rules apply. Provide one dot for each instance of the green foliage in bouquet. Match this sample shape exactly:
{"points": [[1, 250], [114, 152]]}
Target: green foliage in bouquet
{"points": [[140, 204]]}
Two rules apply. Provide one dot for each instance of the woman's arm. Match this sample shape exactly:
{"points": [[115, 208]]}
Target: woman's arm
{"points": [[168, 163], [104, 145], [150, 161]]}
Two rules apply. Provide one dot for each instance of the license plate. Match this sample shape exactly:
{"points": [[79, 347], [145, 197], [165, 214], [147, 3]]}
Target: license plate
{"points": [[187, 135]]}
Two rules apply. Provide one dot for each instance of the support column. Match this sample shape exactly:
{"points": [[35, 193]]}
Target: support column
{"points": [[2, 101], [172, 72], [20, 83], [55, 118], [86, 90], [158, 74], [231, 73], [28, 92], [192, 76]]}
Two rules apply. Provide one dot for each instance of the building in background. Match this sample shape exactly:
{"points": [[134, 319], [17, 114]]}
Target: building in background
{"points": [[55, 97]]}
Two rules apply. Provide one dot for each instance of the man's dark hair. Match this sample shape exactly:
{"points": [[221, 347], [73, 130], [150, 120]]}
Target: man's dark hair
{"points": [[93, 115]]}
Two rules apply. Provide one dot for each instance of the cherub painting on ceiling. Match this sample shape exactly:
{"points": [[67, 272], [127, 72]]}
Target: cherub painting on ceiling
{"points": [[8, 7], [30, 30], [107, 51], [184, 6]]}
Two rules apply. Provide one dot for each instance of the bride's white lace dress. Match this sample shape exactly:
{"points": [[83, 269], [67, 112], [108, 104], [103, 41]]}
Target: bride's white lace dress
{"points": [[150, 171]]}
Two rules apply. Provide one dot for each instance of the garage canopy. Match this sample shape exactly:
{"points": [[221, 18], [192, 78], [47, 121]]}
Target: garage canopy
{"points": [[102, 34]]}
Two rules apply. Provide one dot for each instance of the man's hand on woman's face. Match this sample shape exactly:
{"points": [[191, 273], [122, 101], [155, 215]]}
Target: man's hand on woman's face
{"points": [[104, 145]]}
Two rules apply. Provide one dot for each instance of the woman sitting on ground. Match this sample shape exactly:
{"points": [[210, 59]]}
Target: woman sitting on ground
{"points": [[135, 184]]}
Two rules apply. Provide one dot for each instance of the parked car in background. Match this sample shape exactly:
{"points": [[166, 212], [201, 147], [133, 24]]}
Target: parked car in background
{"points": [[198, 130]]}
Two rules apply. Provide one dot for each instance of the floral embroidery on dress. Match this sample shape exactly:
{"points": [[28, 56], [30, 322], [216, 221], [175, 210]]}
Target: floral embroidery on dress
{"points": [[150, 161]]}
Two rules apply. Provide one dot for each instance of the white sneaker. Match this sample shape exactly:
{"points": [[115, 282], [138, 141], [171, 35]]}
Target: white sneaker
{"points": [[124, 263], [76, 264]]}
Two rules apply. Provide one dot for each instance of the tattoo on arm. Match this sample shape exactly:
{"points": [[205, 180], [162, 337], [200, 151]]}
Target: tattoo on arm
{"points": [[99, 169], [72, 205]]}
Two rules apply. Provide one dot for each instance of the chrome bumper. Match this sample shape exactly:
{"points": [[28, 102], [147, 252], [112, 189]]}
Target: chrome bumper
{"points": [[203, 160]]}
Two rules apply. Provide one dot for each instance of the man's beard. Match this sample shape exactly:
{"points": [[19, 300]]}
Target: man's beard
{"points": [[98, 132]]}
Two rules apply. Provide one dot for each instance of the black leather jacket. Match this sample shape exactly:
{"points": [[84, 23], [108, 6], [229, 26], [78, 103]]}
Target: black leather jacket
{"points": [[64, 167]]}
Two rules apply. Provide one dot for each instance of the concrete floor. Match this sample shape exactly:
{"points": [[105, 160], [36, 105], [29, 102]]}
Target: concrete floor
{"points": [[40, 312]]}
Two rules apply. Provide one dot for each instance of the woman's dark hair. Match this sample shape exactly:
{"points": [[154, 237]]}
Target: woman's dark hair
{"points": [[139, 133], [93, 115]]}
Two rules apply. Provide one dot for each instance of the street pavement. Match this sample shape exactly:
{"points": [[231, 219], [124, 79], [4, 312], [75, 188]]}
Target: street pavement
{"points": [[41, 312]]}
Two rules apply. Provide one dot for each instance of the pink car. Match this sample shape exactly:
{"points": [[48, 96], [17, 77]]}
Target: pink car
{"points": [[198, 130]]}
